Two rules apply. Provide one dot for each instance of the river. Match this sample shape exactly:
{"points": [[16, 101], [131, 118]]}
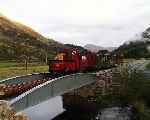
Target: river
{"points": [[46, 110], [54, 107]]}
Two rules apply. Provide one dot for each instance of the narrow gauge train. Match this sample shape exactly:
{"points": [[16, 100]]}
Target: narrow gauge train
{"points": [[73, 61]]}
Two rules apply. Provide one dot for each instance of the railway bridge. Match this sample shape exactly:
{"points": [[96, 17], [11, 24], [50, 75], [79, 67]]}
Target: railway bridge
{"points": [[51, 87], [36, 88]]}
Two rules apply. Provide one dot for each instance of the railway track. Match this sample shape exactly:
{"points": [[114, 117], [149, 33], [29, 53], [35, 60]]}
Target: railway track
{"points": [[13, 87], [21, 84]]}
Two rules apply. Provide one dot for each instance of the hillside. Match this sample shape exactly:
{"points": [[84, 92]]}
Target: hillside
{"points": [[79, 48], [17, 39], [95, 48], [137, 48]]}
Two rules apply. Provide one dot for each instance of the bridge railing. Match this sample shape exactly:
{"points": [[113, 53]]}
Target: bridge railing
{"points": [[51, 89], [20, 79]]}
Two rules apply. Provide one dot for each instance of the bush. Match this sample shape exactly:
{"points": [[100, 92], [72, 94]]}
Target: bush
{"points": [[133, 90]]}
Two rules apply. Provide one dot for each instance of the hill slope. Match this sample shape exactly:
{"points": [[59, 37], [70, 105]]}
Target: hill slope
{"points": [[95, 48], [17, 39], [79, 48], [137, 48]]}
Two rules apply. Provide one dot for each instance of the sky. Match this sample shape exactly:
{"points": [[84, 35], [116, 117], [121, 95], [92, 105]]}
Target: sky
{"points": [[80, 22]]}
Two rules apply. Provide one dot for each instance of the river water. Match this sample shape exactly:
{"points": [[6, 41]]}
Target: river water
{"points": [[54, 107], [114, 113], [46, 110]]}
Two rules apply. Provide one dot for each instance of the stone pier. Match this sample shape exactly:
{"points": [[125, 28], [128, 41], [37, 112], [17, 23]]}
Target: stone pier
{"points": [[81, 97]]}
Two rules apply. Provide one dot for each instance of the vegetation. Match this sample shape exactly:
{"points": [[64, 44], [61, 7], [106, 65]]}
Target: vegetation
{"points": [[13, 68], [133, 91], [148, 66], [18, 41], [79, 48], [138, 48]]}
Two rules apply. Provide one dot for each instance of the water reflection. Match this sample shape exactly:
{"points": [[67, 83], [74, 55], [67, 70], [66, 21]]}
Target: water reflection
{"points": [[53, 107], [46, 110], [114, 113]]}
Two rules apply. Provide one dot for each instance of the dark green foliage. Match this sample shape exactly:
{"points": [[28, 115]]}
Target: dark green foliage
{"points": [[79, 48], [137, 49], [148, 66], [133, 90], [146, 34], [132, 85]]}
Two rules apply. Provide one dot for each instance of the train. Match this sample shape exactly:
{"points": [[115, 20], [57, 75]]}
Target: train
{"points": [[71, 61], [66, 62]]}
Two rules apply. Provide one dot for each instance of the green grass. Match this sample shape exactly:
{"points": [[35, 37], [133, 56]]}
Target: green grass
{"points": [[148, 66], [12, 68]]}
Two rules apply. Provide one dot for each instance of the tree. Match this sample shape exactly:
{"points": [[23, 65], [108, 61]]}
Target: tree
{"points": [[43, 55], [24, 53]]}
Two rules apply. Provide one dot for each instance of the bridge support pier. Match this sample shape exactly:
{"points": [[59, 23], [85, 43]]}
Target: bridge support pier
{"points": [[82, 96], [101, 86], [84, 99]]}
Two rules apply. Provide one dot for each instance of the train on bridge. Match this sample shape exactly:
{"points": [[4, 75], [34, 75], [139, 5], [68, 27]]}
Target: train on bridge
{"points": [[65, 62], [72, 61]]}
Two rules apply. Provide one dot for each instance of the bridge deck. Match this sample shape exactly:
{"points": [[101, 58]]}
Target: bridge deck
{"points": [[47, 90], [51, 88]]}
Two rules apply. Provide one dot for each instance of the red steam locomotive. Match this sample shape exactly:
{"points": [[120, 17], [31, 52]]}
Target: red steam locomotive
{"points": [[72, 61], [67, 61]]}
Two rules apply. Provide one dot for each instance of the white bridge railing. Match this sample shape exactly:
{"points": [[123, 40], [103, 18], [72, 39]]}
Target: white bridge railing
{"points": [[51, 89], [23, 78]]}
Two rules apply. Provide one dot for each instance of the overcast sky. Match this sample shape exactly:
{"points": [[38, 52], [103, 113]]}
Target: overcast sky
{"points": [[99, 22]]}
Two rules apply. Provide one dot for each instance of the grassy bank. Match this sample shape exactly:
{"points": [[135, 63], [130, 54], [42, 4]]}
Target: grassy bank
{"points": [[132, 90], [148, 66], [13, 68]]}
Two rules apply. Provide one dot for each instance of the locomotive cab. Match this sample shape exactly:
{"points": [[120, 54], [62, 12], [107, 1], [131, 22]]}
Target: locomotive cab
{"points": [[65, 62]]}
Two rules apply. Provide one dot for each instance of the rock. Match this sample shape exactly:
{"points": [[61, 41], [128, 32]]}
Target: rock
{"points": [[20, 116], [7, 113]]}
